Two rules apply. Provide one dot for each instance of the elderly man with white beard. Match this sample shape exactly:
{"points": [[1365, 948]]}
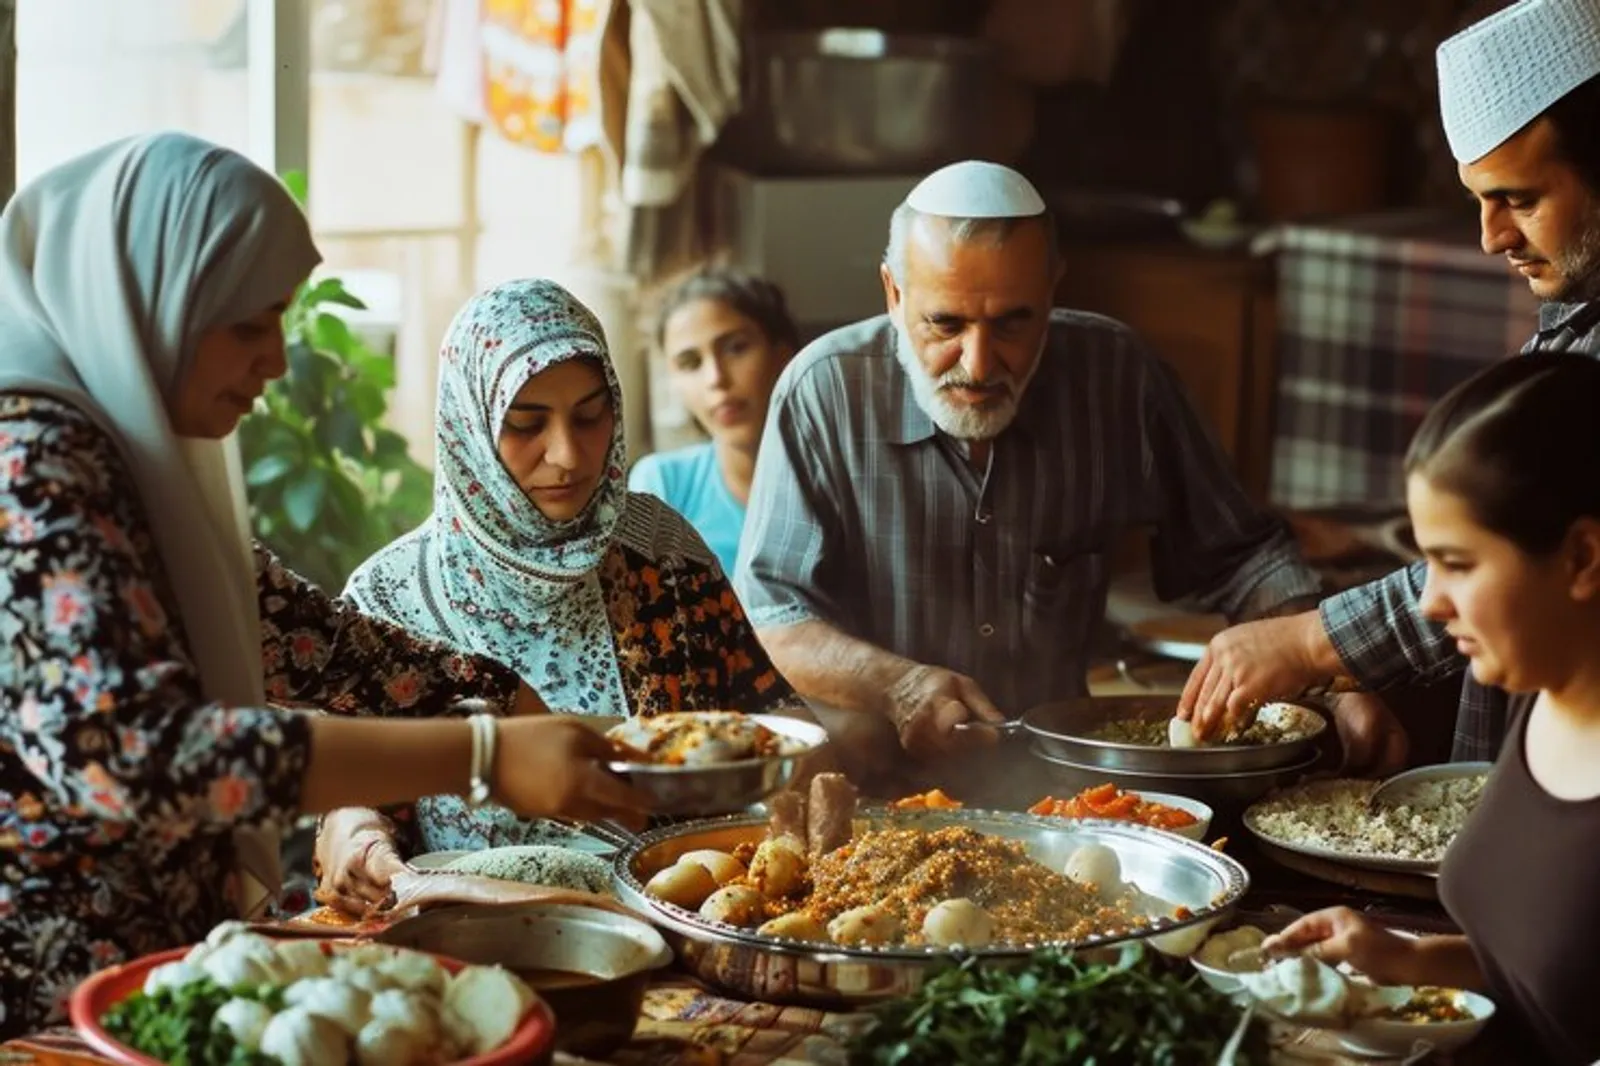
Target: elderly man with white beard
{"points": [[939, 489]]}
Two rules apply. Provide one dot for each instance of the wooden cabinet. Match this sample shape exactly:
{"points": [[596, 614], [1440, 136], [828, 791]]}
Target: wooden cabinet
{"points": [[1209, 315]]}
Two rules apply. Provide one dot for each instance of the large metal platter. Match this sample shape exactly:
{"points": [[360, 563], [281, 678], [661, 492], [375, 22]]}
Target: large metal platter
{"points": [[1061, 731], [775, 969]]}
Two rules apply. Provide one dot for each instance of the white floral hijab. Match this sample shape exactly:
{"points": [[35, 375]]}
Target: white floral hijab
{"points": [[487, 571]]}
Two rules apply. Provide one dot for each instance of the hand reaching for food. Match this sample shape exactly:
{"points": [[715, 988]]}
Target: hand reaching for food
{"points": [[928, 703], [1252, 664], [356, 860], [1341, 935]]}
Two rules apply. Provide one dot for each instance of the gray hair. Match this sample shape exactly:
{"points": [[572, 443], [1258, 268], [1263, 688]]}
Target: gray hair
{"points": [[962, 230]]}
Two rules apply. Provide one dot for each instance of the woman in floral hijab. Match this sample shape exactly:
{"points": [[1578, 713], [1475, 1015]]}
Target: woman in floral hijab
{"points": [[536, 555]]}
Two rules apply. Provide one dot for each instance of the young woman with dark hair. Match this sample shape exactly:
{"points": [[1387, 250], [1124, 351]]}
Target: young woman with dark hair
{"points": [[1504, 493]]}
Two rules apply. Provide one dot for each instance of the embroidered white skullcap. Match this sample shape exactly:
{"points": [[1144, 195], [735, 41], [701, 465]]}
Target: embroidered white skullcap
{"points": [[1500, 74], [975, 189]]}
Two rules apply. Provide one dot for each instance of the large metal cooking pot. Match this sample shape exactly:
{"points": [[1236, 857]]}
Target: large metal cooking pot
{"points": [[780, 970], [852, 101]]}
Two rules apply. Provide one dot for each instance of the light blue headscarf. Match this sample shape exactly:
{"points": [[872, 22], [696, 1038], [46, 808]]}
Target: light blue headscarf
{"points": [[488, 572]]}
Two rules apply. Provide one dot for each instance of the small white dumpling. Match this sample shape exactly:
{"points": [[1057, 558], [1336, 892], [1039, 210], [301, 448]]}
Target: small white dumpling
{"points": [[302, 959], [385, 1042], [245, 1020], [296, 1037], [958, 922], [414, 972], [343, 1004], [363, 967], [244, 960], [1180, 734], [484, 1005], [172, 975], [1097, 865], [408, 1010]]}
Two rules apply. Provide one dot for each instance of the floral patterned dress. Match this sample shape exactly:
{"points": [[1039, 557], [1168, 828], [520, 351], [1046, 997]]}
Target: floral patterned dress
{"points": [[119, 783]]}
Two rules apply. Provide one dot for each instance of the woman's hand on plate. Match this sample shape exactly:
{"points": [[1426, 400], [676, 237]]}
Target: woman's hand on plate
{"points": [[1341, 935]]}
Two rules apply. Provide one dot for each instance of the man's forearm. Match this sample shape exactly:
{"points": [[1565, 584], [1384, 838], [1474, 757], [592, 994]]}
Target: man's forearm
{"points": [[830, 667]]}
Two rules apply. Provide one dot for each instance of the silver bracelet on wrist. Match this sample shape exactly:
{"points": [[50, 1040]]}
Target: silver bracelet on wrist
{"points": [[485, 730]]}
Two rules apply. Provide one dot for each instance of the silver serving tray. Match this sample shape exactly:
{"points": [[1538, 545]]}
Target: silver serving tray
{"points": [[776, 969], [723, 788], [1061, 731]]}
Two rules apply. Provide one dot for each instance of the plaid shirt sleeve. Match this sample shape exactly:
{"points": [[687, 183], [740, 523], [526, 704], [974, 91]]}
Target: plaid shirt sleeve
{"points": [[788, 558], [1381, 635], [1212, 543]]}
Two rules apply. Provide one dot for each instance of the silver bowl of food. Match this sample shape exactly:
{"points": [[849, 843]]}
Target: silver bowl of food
{"points": [[1171, 888], [1130, 733], [590, 965], [1222, 790], [699, 764]]}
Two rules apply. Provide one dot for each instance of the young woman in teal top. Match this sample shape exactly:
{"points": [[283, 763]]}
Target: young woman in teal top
{"points": [[726, 337]]}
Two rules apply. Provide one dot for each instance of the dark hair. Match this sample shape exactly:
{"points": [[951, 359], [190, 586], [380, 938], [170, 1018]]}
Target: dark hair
{"points": [[755, 298], [1576, 120], [1520, 443]]}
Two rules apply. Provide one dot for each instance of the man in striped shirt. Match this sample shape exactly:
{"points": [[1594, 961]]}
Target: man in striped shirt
{"points": [[938, 489], [1526, 136]]}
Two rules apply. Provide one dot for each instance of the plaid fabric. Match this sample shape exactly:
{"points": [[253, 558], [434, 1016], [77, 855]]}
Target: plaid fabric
{"points": [[1378, 628], [864, 517], [1376, 322]]}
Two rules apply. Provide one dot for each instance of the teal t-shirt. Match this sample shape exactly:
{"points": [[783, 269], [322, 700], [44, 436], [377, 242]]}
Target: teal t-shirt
{"points": [[689, 481]]}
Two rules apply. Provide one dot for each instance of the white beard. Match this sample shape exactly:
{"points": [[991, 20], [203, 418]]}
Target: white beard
{"points": [[961, 421]]}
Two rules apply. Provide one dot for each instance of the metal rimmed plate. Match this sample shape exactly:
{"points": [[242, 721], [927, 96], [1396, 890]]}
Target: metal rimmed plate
{"points": [[1310, 791], [1064, 731], [722, 788], [775, 969]]}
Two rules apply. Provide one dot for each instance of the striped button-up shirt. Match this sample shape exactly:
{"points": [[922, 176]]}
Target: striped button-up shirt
{"points": [[864, 516], [1379, 629]]}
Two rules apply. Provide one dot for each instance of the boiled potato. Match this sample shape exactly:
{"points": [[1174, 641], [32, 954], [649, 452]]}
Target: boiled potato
{"points": [[776, 870], [1180, 734], [683, 884], [735, 905], [796, 926], [723, 867], [866, 925], [958, 921]]}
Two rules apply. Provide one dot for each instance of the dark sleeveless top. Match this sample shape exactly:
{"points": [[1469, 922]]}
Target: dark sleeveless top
{"points": [[1522, 880]]}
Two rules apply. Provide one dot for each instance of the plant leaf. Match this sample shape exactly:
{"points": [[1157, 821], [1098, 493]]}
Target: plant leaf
{"points": [[295, 181], [267, 469], [303, 496]]}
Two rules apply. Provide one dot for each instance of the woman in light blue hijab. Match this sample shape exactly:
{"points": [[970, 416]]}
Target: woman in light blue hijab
{"points": [[143, 776], [536, 555]]}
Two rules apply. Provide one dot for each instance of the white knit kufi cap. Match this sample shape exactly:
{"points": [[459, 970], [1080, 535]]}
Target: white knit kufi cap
{"points": [[975, 189], [1500, 74]]}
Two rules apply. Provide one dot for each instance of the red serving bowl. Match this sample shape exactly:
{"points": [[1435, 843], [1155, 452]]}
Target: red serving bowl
{"points": [[532, 1042]]}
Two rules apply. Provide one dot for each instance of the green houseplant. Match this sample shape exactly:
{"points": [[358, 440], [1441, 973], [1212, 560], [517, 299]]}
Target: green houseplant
{"points": [[328, 484]]}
